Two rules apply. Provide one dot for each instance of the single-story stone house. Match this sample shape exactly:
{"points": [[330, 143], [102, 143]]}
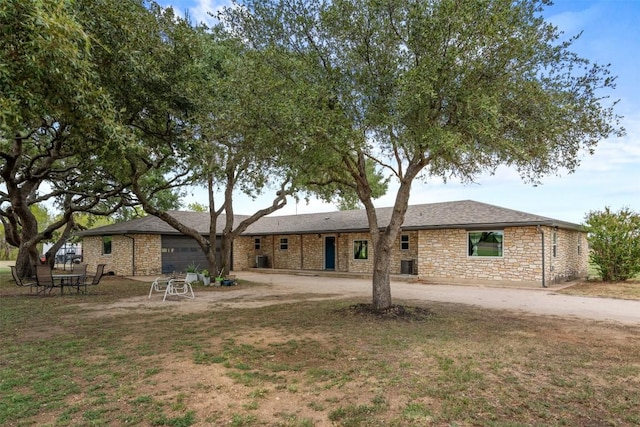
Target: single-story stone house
{"points": [[463, 241]]}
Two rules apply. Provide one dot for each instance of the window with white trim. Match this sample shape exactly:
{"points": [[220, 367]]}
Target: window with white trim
{"points": [[360, 249], [485, 243]]}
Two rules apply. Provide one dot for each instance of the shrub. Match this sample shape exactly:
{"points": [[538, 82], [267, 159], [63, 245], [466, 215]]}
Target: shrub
{"points": [[614, 243]]}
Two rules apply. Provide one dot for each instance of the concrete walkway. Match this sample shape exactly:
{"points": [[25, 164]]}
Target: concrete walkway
{"points": [[535, 301]]}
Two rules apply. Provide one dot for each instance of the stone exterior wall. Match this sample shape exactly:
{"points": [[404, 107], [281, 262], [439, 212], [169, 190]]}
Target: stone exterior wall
{"points": [[148, 260], [359, 265], [440, 255], [287, 252], [307, 252], [443, 257], [121, 260], [398, 255], [243, 253], [313, 252], [570, 259]]}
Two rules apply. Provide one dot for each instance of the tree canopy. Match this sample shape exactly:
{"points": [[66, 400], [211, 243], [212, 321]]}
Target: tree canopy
{"points": [[426, 89], [57, 125]]}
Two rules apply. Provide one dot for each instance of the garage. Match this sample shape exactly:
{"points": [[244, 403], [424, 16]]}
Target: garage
{"points": [[178, 252]]}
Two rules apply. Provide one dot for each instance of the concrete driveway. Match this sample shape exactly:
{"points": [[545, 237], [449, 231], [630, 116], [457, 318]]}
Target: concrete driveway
{"points": [[535, 301]]}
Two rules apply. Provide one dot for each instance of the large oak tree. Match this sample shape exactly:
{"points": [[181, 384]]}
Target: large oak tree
{"points": [[430, 88], [56, 124]]}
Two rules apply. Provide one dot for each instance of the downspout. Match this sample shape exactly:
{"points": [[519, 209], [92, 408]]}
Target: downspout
{"points": [[301, 236], [133, 254], [541, 231]]}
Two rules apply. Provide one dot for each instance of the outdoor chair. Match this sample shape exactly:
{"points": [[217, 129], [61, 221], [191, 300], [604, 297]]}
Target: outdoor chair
{"points": [[159, 285], [20, 282], [179, 288], [82, 280], [95, 278], [44, 278]]}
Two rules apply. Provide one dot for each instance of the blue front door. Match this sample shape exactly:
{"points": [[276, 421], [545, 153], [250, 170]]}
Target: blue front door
{"points": [[329, 253]]}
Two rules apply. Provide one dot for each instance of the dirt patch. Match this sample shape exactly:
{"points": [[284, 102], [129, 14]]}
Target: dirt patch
{"points": [[395, 312], [204, 301]]}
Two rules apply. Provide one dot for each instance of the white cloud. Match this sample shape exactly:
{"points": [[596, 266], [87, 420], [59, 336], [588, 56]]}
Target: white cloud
{"points": [[203, 11], [205, 8], [573, 22]]}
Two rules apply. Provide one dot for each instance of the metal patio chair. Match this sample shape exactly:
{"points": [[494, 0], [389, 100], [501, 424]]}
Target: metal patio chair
{"points": [[159, 285], [95, 279], [44, 278], [24, 282], [82, 280], [179, 288]]}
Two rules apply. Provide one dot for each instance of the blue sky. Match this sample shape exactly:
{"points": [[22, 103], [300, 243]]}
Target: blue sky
{"points": [[610, 177]]}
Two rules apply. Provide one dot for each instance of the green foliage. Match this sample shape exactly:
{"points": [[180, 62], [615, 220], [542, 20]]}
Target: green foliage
{"points": [[193, 268], [59, 134], [420, 89], [614, 243], [197, 207]]}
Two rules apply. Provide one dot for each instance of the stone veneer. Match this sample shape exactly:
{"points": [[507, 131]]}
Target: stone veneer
{"points": [[147, 260], [440, 255], [307, 252], [443, 257]]}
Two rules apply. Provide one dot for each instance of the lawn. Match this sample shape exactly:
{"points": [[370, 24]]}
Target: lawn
{"points": [[76, 361]]}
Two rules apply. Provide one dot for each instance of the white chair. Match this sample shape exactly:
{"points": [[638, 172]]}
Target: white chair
{"points": [[159, 285], [179, 288]]}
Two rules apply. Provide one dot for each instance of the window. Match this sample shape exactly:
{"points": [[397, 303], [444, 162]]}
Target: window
{"points": [[404, 242], [256, 243], [360, 249], [579, 244], [106, 245], [485, 243], [554, 245], [284, 244]]}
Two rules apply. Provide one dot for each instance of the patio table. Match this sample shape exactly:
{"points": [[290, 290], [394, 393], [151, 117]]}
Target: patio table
{"points": [[72, 278]]}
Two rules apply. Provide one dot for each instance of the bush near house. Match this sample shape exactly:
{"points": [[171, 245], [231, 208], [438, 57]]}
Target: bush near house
{"points": [[614, 241]]}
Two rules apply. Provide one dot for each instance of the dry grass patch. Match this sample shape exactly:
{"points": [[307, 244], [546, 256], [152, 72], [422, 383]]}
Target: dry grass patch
{"points": [[622, 290], [320, 363]]}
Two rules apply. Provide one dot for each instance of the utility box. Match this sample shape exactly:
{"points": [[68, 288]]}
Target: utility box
{"points": [[408, 266]]}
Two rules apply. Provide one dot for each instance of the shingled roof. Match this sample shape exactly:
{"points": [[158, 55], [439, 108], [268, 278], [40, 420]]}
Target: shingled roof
{"points": [[466, 214], [152, 225]]}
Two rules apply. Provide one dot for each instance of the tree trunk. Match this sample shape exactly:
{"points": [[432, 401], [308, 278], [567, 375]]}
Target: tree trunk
{"points": [[381, 282], [227, 244], [212, 262], [27, 250], [27, 258], [383, 241]]}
